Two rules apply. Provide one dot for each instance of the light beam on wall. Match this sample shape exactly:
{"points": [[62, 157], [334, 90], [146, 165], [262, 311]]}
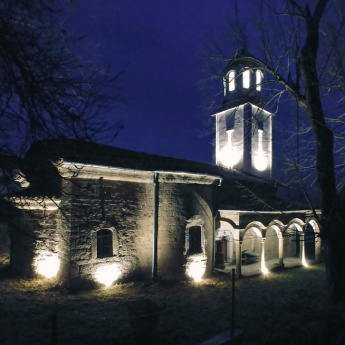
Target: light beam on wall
{"points": [[264, 269], [304, 262], [260, 160], [47, 264], [108, 273], [229, 156]]}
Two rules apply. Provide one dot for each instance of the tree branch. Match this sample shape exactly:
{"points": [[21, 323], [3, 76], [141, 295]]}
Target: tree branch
{"points": [[292, 89]]}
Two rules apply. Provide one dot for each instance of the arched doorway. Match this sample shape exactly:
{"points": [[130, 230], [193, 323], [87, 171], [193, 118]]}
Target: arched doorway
{"points": [[225, 249], [309, 242], [271, 244], [291, 242], [251, 246]]}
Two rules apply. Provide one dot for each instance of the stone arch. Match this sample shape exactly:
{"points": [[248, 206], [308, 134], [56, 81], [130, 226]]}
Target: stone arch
{"points": [[296, 222], [278, 227], [195, 221], [292, 246], [315, 237], [252, 237], [227, 223], [257, 227], [314, 223]]}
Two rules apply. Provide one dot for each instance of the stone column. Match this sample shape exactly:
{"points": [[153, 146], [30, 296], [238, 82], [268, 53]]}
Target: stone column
{"points": [[238, 245], [281, 251], [302, 244], [317, 247], [262, 256]]}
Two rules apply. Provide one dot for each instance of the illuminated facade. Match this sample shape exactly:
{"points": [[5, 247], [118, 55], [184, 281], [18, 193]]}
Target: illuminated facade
{"points": [[243, 128], [91, 212]]}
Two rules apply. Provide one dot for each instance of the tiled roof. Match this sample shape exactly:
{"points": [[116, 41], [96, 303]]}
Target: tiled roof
{"points": [[92, 153], [238, 191]]}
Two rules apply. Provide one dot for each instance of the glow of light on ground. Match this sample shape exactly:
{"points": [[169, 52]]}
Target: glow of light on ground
{"points": [[48, 264], [196, 266], [107, 274]]}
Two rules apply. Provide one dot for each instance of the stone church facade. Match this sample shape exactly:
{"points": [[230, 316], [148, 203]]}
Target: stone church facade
{"points": [[99, 213]]}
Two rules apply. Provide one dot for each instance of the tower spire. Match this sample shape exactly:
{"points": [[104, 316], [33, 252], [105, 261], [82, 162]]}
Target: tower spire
{"points": [[243, 127]]}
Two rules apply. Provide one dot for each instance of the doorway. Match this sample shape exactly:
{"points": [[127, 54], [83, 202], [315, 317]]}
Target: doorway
{"points": [[222, 247]]}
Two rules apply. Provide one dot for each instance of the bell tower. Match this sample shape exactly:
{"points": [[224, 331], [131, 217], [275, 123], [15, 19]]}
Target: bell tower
{"points": [[243, 127]]}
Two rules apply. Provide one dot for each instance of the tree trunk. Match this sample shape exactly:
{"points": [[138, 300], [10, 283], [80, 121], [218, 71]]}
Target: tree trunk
{"points": [[334, 252], [332, 230]]}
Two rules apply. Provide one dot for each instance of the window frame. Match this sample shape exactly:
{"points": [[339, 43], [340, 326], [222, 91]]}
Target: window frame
{"points": [[107, 244], [199, 222]]}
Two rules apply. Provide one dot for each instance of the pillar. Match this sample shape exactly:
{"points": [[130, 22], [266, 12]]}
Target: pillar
{"points": [[262, 256], [302, 244], [281, 251], [238, 245], [317, 247]]}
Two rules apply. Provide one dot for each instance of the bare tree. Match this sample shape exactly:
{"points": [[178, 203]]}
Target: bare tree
{"points": [[299, 45], [46, 90]]}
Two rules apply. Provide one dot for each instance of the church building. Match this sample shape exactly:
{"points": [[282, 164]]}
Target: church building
{"points": [[92, 212]]}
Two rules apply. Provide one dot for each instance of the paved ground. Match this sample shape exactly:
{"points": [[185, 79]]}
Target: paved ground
{"points": [[254, 268]]}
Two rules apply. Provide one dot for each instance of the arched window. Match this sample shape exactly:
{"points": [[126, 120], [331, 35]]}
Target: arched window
{"points": [[104, 243], [194, 240], [231, 80], [194, 236], [258, 80], [246, 79]]}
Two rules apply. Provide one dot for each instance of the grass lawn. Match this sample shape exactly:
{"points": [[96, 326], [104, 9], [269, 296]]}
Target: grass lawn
{"points": [[280, 308]]}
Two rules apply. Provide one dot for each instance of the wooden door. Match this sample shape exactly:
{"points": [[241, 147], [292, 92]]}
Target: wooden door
{"points": [[225, 249]]}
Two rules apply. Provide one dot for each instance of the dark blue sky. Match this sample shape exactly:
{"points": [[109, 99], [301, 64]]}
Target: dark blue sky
{"points": [[161, 44]]}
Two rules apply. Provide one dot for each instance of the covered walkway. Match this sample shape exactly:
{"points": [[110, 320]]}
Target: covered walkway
{"points": [[251, 247], [254, 269]]}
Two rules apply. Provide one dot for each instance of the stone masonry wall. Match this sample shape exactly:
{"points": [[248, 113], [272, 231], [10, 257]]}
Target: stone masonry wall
{"points": [[178, 203], [126, 208], [33, 235], [64, 229]]}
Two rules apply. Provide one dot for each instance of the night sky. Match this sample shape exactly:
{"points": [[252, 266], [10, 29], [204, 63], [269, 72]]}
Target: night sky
{"points": [[161, 44]]}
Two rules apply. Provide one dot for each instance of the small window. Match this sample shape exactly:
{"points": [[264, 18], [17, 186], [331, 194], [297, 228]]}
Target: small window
{"points": [[231, 80], [194, 240], [104, 243], [258, 80], [246, 79]]}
